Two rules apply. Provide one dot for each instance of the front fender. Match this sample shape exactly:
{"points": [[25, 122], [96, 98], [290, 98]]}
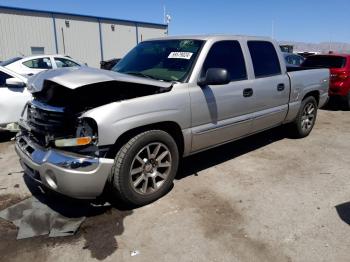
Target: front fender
{"points": [[116, 118]]}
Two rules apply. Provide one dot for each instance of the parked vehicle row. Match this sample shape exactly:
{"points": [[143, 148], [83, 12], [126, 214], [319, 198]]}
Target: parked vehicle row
{"points": [[126, 129], [339, 66], [32, 65]]}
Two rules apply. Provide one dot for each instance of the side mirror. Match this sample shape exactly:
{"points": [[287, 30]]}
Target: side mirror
{"points": [[14, 83], [215, 76]]}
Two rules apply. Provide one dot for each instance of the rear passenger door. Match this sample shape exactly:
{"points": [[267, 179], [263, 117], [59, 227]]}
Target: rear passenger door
{"points": [[271, 86], [221, 113]]}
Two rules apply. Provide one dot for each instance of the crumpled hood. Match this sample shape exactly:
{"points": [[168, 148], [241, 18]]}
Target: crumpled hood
{"points": [[74, 78]]}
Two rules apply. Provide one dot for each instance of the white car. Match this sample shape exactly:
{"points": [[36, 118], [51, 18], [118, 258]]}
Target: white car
{"points": [[32, 65], [13, 97]]}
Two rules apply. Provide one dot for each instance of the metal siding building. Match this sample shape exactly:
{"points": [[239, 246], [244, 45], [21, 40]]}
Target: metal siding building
{"points": [[88, 39]]}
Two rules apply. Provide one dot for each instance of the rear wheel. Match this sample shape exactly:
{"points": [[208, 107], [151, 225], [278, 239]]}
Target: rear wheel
{"points": [[305, 119], [347, 102], [145, 167]]}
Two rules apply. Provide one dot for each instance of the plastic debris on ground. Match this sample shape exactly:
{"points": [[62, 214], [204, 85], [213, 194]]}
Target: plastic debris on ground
{"points": [[34, 218]]}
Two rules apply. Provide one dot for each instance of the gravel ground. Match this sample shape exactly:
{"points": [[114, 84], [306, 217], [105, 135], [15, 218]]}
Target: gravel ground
{"points": [[264, 198]]}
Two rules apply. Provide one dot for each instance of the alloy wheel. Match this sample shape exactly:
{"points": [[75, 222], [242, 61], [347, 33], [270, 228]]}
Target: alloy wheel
{"points": [[308, 117], [150, 168]]}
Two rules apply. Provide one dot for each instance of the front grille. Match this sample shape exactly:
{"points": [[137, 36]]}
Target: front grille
{"points": [[50, 123]]}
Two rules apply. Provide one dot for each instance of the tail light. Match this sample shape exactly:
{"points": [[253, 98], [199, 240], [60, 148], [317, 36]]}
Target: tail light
{"points": [[340, 76]]}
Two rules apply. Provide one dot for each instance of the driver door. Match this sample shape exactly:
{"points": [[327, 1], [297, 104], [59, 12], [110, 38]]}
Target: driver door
{"points": [[221, 113]]}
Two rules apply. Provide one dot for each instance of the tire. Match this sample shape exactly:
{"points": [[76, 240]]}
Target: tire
{"points": [[306, 118], [141, 174], [347, 102]]}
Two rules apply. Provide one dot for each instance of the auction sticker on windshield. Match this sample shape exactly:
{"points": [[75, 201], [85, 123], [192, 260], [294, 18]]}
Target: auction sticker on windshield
{"points": [[181, 55]]}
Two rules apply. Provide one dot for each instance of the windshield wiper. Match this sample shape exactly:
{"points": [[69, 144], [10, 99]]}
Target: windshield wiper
{"points": [[142, 74]]}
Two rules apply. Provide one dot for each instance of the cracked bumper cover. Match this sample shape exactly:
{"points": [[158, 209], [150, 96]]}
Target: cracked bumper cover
{"points": [[72, 175]]}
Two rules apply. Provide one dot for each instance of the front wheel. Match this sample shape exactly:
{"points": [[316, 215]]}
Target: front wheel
{"points": [[145, 168], [306, 118]]}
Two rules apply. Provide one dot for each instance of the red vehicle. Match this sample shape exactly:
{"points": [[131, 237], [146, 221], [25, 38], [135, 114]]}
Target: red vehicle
{"points": [[339, 66]]}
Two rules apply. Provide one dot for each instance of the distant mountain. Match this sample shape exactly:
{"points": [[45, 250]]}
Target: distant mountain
{"points": [[323, 47]]}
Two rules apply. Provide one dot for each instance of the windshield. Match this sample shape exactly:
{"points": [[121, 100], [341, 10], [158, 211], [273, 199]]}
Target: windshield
{"points": [[10, 61], [166, 60], [325, 61]]}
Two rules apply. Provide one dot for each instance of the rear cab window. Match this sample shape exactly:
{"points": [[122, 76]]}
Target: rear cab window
{"points": [[264, 58], [227, 55], [294, 60], [325, 61]]}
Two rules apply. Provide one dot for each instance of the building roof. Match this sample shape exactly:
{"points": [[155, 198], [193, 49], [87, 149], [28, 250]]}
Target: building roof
{"points": [[80, 15], [206, 37]]}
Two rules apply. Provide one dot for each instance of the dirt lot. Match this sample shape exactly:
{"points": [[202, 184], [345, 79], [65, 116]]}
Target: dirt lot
{"points": [[265, 198]]}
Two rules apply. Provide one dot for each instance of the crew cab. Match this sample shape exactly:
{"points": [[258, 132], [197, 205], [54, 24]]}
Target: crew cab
{"points": [[89, 129], [339, 65]]}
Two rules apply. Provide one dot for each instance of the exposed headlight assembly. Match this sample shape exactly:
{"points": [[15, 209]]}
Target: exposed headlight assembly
{"points": [[86, 134]]}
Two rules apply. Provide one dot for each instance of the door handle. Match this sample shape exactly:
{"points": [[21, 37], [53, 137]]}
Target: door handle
{"points": [[280, 87], [248, 92]]}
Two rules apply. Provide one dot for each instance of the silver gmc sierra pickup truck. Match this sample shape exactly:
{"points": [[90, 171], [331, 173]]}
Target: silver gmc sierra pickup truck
{"points": [[167, 98]]}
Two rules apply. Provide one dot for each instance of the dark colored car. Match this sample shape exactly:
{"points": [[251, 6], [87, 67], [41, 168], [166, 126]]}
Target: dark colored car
{"points": [[339, 65], [109, 64]]}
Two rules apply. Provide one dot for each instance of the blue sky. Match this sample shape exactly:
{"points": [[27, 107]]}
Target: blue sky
{"points": [[296, 20]]}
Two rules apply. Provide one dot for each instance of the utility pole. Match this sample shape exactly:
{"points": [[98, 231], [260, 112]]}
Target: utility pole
{"points": [[164, 14], [167, 19]]}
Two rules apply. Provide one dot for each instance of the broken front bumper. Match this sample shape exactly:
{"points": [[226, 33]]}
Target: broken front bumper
{"points": [[73, 175]]}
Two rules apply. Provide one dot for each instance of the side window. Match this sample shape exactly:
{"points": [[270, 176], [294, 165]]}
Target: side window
{"points": [[3, 77], [62, 62], [264, 58], [39, 63], [228, 55]]}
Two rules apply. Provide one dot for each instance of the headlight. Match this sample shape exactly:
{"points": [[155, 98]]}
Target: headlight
{"points": [[79, 141], [87, 127], [86, 134]]}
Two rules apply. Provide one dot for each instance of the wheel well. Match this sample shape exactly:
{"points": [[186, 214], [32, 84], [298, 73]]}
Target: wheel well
{"points": [[171, 128], [315, 94]]}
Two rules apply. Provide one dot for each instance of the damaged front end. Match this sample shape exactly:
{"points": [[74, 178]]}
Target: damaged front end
{"points": [[60, 127], [58, 145], [54, 119]]}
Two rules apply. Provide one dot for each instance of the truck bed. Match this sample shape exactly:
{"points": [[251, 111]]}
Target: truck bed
{"points": [[299, 68]]}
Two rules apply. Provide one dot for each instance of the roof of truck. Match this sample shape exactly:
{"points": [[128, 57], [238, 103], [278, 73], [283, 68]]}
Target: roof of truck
{"points": [[214, 37]]}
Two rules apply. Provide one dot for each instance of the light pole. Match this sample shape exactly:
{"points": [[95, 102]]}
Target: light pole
{"points": [[167, 19]]}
